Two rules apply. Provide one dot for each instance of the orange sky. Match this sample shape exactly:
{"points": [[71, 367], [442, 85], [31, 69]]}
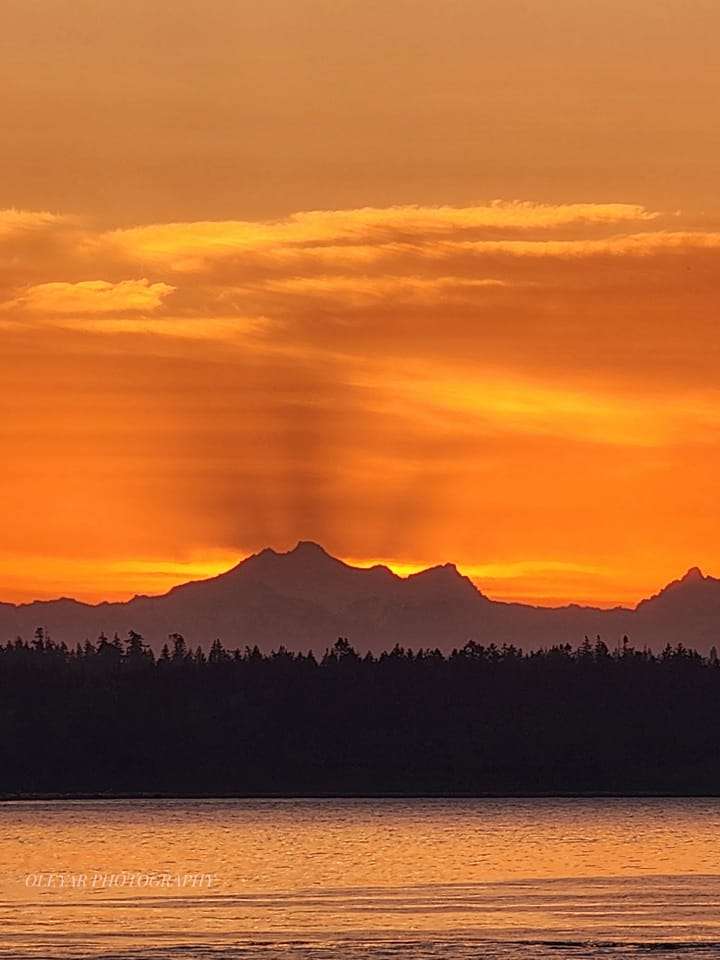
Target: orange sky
{"points": [[254, 288]]}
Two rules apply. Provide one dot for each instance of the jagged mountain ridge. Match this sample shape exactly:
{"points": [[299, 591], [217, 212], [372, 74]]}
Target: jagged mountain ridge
{"points": [[305, 598]]}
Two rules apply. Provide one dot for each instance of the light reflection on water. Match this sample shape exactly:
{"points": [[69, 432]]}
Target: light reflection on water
{"points": [[352, 879]]}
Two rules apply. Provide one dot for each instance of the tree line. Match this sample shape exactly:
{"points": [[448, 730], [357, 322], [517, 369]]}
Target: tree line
{"points": [[111, 717]]}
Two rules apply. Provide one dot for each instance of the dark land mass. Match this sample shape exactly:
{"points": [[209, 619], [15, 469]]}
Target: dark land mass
{"points": [[109, 718]]}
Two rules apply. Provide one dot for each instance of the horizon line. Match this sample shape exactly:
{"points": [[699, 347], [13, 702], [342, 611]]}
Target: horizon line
{"points": [[178, 574]]}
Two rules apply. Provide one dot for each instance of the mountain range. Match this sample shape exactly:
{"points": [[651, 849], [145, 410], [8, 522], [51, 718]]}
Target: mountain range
{"points": [[305, 599]]}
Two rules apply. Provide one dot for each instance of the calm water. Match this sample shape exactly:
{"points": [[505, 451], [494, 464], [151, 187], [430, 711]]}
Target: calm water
{"points": [[353, 879]]}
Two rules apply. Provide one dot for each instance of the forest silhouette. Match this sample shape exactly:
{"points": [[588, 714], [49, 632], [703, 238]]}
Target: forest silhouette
{"points": [[112, 718]]}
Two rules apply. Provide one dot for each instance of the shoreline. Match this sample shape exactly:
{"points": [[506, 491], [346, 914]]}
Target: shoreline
{"points": [[538, 795]]}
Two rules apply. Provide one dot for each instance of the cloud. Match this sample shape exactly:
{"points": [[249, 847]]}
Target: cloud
{"points": [[186, 246], [93, 297], [226, 329], [13, 222], [630, 245], [482, 401], [353, 290]]}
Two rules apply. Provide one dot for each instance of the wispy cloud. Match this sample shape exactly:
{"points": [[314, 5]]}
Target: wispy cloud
{"points": [[14, 222], [93, 297], [187, 246]]}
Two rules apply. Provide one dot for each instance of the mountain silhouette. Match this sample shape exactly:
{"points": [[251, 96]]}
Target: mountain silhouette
{"points": [[306, 598]]}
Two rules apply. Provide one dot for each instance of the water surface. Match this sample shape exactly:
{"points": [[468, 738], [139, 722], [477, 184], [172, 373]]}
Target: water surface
{"points": [[349, 879]]}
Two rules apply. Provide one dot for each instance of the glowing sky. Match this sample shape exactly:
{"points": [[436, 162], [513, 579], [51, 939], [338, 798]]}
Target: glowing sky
{"points": [[254, 288]]}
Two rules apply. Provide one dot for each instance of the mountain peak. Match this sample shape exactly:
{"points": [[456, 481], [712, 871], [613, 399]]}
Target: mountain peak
{"points": [[308, 548], [693, 578], [692, 588], [304, 553], [447, 578]]}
